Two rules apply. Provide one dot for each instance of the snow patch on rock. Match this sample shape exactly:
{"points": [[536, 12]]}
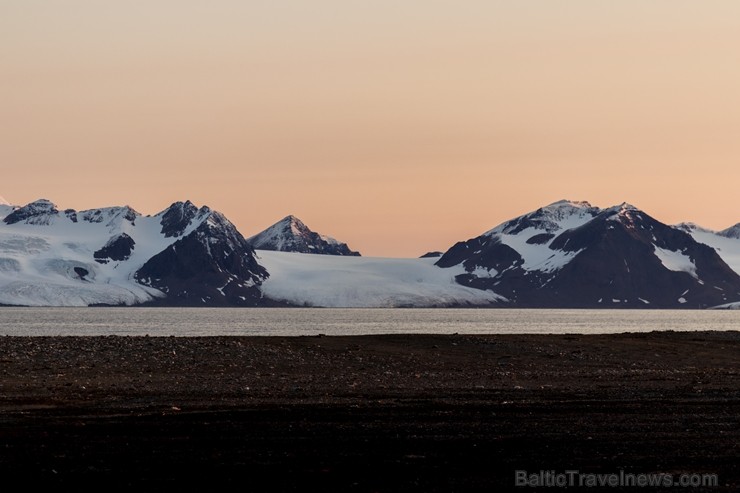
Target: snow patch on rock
{"points": [[676, 261]]}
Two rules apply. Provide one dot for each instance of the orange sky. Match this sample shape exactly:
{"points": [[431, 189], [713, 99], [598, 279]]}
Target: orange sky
{"points": [[398, 127]]}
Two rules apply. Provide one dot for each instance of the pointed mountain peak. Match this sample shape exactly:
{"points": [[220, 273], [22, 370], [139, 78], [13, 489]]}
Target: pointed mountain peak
{"points": [[624, 206], [294, 225], [624, 212], [288, 220], [177, 217], [290, 234]]}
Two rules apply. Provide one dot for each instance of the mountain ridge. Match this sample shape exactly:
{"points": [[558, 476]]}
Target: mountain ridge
{"points": [[565, 254], [570, 254]]}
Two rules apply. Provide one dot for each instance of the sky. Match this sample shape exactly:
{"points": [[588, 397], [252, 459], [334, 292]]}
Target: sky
{"points": [[397, 127]]}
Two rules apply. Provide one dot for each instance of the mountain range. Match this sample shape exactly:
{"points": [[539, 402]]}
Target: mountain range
{"points": [[567, 254]]}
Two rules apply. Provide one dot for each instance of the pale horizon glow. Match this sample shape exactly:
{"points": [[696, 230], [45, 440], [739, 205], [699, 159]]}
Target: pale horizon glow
{"points": [[397, 127]]}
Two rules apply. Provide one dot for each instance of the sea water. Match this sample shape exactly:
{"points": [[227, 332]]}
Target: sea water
{"points": [[350, 321]]}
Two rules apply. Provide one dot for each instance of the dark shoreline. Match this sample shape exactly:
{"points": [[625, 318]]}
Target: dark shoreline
{"points": [[365, 413]]}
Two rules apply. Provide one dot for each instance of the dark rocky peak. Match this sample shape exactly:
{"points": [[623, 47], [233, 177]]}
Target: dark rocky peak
{"points": [[40, 212], [432, 255], [177, 217]]}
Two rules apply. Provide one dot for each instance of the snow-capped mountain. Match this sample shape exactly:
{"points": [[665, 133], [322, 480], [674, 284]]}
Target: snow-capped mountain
{"points": [[571, 254], [291, 235], [182, 256]]}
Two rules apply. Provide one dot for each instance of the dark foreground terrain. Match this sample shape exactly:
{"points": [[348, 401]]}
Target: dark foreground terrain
{"points": [[382, 413]]}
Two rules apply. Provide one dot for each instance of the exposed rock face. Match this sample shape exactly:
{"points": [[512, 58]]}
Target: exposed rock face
{"points": [[41, 212], [118, 248], [291, 235], [212, 265], [177, 217]]}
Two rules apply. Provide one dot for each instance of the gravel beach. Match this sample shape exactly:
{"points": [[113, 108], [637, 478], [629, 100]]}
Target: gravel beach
{"points": [[365, 413]]}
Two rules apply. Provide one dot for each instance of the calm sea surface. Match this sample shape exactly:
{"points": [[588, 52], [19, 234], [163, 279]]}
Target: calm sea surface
{"points": [[355, 321]]}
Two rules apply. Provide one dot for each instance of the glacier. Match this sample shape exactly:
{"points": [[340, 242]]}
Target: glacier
{"points": [[371, 282]]}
